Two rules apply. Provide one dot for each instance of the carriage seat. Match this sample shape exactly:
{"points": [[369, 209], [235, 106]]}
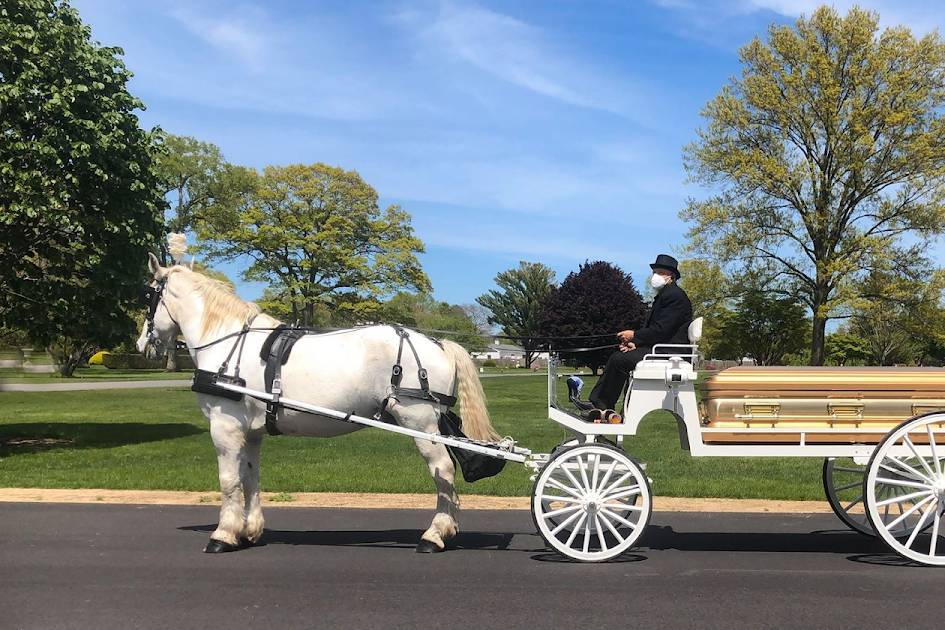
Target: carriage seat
{"points": [[680, 358]]}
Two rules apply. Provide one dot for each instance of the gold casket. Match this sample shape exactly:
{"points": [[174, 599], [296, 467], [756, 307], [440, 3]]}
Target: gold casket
{"points": [[825, 405]]}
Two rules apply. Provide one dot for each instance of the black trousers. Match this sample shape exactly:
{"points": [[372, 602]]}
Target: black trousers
{"points": [[616, 372]]}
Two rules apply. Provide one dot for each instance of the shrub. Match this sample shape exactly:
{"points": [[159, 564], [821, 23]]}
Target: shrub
{"points": [[489, 363], [98, 358]]}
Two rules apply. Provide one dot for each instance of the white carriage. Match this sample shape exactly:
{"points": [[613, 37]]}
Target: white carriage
{"points": [[592, 500]]}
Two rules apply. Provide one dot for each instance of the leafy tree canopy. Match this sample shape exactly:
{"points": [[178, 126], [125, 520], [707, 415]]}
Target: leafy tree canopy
{"points": [[828, 153], [79, 201], [597, 299], [316, 233], [193, 171]]}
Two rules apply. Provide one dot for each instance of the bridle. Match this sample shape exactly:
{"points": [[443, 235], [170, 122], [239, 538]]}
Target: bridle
{"points": [[152, 297]]}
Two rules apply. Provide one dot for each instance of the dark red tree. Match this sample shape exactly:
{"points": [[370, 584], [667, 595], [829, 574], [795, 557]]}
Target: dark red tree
{"points": [[599, 299]]}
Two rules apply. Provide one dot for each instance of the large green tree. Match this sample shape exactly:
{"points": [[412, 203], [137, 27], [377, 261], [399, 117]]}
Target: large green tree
{"points": [[598, 299], [828, 155], [516, 306], [763, 327], [79, 201], [317, 234], [192, 172]]}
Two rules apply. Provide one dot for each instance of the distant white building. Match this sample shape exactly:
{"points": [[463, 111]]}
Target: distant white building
{"points": [[508, 354]]}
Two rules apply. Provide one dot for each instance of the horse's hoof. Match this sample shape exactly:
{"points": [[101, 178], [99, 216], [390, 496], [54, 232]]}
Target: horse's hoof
{"points": [[218, 546], [246, 543], [425, 546]]}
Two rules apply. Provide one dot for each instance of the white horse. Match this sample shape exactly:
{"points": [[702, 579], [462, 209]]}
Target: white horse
{"points": [[347, 370]]}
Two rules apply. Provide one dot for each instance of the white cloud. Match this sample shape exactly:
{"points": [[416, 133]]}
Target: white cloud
{"points": [[237, 31], [516, 52]]}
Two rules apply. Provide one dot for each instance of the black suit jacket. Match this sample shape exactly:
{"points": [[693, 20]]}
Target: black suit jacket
{"points": [[668, 320]]}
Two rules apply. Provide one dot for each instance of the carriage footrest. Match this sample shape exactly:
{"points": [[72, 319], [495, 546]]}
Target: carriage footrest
{"points": [[205, 382]]}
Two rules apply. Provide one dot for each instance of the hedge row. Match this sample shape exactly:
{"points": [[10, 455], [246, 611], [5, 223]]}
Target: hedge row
{"points": [[129, 361]]}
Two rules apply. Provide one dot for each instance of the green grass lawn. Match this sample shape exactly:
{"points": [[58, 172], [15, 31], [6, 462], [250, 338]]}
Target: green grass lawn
{"points": [[97, 373], [157, 439]]}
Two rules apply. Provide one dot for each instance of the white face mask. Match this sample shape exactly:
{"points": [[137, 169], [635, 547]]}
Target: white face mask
{"points": [[657, 281]]}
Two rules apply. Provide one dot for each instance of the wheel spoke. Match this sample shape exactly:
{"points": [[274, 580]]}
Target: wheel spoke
{"points": [[559, 511], [552, 497], [577, 484], [615, 484], [565, 523], [600, 533], [618, 518], [925, 464], [899, 482], [582, 465], [610, 471], [576, 529], [935, 524], [848, 486], [938, 465], [855, 501], [906, 514], [903, 498], [906, 469], [560, 486], [858, 471], [918, 528], [623, 506], [594, 473], [626, 492], [610, 526], [587, 535]]}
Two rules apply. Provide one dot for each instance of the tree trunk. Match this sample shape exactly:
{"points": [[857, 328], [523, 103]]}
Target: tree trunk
{"points": [[818, 336], [172, 359], [528, 358]]}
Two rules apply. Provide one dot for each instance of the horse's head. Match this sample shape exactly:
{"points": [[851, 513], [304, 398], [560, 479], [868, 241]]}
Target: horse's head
{"points": [[160, 328]]}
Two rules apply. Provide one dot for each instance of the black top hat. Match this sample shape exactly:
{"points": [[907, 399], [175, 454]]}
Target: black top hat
{"points": [[665, 261]]}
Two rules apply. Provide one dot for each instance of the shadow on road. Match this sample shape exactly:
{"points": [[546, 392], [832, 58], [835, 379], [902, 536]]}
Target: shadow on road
{"points": [[388, 538], [665, 537]]}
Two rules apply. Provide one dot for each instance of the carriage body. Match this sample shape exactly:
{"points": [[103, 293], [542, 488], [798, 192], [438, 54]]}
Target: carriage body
{"points": [[881, 432]]}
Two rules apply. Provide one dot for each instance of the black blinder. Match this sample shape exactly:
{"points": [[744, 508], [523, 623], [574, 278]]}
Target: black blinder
{"points": [[147, 295]]}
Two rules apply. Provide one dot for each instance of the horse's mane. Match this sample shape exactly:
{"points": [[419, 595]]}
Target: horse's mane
{"points": [[220, 302]]}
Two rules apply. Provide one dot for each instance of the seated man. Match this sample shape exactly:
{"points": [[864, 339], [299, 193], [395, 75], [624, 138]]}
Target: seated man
{"points": [[667, 322]]}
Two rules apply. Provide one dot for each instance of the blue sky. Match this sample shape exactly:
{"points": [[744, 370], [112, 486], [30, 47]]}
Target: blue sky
{"points": [[547, 131]]}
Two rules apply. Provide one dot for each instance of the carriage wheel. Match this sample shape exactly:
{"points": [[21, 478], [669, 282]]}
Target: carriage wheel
{"points": [[591, 502], [843, 485], [908, 469]]}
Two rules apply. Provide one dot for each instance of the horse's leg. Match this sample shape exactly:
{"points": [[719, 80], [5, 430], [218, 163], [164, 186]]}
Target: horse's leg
{"points": [[253, 526], [423, 417], [229, 438]]}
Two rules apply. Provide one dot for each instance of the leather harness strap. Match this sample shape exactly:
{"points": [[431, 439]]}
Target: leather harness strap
{"points": [[397, 374]]}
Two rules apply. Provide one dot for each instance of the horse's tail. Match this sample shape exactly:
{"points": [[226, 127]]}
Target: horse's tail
{"points": [[472, 400]]}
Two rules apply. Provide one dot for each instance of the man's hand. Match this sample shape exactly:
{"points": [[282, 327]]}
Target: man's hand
{"points": [[627, 346], [625, 336]]}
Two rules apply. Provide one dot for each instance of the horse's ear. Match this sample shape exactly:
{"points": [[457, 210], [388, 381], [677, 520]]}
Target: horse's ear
{"points": [[154, 266]]}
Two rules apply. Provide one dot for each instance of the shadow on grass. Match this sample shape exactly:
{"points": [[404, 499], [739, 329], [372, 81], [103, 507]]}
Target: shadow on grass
{"points": [[34, 437], [386, 538]]}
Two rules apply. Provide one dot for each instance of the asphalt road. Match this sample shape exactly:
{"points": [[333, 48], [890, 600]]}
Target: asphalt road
{"points": [[110, 566]]}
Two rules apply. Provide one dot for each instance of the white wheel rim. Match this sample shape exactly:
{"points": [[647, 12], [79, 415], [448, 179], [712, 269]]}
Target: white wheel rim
{"points": [[908, 470], [591, 503]]}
